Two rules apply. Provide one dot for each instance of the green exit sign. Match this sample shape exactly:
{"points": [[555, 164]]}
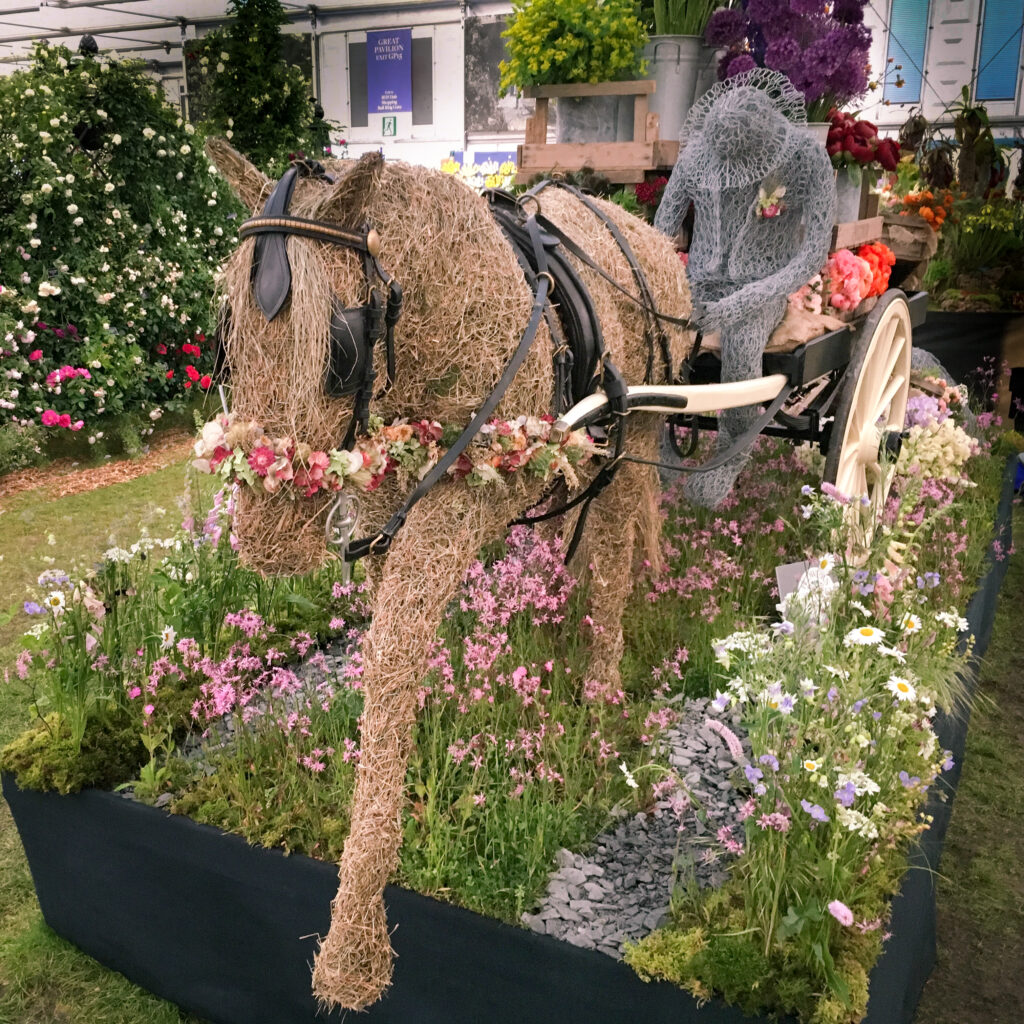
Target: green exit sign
{"points": [[390, 126]]}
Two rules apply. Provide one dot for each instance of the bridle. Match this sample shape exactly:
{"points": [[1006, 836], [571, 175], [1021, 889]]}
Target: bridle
{"points": [[354, 330]]}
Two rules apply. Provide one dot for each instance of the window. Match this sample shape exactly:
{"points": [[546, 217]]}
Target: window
{"points": [[999, 57], [422, 83], [908, 30]]}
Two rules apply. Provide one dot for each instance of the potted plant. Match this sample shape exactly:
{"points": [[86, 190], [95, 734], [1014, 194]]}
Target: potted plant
{"points": [[854, 145], [564, 42], [822, 50], [677, 58]]}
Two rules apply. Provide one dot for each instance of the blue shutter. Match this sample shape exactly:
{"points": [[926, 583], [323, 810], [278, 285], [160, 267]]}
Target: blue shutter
{"points": [[908, 29], [999, 59]]}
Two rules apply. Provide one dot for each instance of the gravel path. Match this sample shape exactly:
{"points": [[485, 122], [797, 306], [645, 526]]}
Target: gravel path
{"points": [[620, 891]]}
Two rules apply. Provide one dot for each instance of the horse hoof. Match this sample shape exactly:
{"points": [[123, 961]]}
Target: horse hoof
{"points": [[353, 966]]}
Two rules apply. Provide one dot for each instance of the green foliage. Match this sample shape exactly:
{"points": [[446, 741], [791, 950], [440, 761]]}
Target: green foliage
{"points": [[989, 234], [114, 225], [677, 17], [626, 198], [20, 446], [565, 41], [47, 757], [250, 94]]}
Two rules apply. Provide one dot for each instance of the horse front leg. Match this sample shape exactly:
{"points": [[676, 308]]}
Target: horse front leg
{"points": [[623, 531], [420, 575]]}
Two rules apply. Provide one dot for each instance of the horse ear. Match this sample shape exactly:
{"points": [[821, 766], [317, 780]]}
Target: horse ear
{"points": [[345, 202], [249, 183]]}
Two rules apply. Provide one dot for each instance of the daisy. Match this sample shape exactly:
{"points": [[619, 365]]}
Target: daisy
{"points": [[901, 688], [910, 623], [863, 636], [167, 637], [826, 563], [55, 602], [810, 765]]}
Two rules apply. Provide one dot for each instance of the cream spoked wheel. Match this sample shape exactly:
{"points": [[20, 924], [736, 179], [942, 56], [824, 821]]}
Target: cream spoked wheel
{"points": [[867, 430]]}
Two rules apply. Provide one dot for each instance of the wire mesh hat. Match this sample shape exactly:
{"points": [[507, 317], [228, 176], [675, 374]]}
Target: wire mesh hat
{"points": [[737, 131]]}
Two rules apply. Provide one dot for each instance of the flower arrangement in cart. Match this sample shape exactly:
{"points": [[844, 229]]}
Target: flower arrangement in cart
{"points": [[240, 451]]}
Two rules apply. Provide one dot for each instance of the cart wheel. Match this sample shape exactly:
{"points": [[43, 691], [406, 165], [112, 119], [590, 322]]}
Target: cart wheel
{"points": [[866, 434]]}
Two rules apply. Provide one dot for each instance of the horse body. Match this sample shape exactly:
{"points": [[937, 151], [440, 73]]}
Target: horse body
{"points": [[466, 307]]}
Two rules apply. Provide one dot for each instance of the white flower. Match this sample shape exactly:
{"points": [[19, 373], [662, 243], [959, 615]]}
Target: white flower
{"points": [[116, 554], [148, 133], [34, 242], [861, 783], [910, 623], [109, 187], [116, 140], [78, 222], [72, 208], [69, 178], [224, 55], [952, 620], [630, 781], [48, 289], [101, 114], [46, 137], [29, 92], [220, 66], [807, 688], [900, 688], [155, 414], [826, 562], [55, 602], [810, 765], [185, 149], [27, 197], [863, 636], [30, 308], [54, 122], [857, 822], [167, 638], [46, 188]]}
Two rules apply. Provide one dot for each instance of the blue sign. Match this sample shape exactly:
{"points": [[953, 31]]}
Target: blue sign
{"points": [[389, 71]]}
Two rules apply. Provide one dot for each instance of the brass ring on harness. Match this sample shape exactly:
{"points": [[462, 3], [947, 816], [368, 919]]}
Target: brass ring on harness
{"points": [[373, 543], [551, 281]]}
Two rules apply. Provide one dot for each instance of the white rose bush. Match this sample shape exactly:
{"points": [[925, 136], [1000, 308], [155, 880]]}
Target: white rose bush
{"points": [[107, 271]]}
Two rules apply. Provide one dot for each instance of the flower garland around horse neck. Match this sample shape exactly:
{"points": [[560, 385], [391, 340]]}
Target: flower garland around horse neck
{"points": [[240, 451]]}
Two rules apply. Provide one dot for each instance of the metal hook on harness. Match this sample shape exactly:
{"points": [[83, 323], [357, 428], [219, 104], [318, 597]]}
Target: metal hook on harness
{"points": [[341, 524]]}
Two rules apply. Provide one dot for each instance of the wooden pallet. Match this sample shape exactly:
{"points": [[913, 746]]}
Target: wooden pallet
{"points": [[619, 162]]}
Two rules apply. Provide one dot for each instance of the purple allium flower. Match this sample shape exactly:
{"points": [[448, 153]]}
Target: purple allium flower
{"points": [[845, 794], [737, 64], [848, 12], [806, 7], [782, 54], [726, 27], [31, 608], [816, 812]]}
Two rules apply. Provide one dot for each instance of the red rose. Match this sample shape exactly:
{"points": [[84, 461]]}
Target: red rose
{"points": [[888, 154], [161, 349], [191, 372], [169, 374], [205, 381]]}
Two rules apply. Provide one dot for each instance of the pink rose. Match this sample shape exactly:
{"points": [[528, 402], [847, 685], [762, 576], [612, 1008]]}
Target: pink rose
{"points": [[78, 424], [35, 355], [49, 418], [64, 420]]}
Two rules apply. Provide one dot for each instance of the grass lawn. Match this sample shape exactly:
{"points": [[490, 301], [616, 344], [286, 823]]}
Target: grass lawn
{"points": [[44, 980], [981, 896], [981, 886]]}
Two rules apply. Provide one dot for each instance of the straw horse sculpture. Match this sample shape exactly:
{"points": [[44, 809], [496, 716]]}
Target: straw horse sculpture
{"points": [[466, 306]]}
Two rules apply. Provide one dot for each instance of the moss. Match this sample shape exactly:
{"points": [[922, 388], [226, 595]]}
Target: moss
{"points": [[45, 757], [667, 953]]}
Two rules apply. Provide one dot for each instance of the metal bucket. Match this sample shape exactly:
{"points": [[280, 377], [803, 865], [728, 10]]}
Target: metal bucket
{"points": [[675, 63]]}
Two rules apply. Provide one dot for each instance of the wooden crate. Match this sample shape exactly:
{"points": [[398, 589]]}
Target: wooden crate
{"points": [[619, 162]]}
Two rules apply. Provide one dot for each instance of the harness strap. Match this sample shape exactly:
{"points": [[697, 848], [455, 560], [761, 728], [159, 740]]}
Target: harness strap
{"points": [[367, 242], [382, 541], [649, 308]]}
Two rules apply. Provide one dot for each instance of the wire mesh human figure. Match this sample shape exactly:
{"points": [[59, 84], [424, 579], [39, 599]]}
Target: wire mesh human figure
{"points": [[764, 199]]}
